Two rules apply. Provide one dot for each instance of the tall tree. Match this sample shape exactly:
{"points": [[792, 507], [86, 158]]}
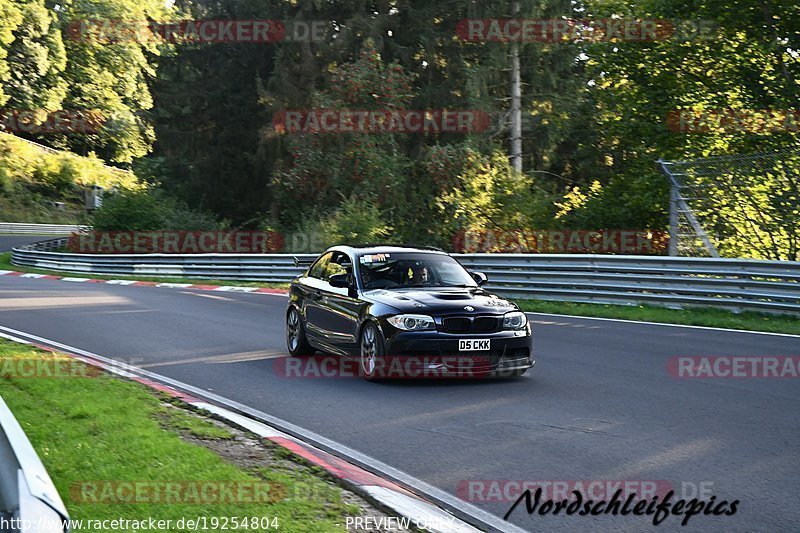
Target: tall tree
{"points": [[209, 115], [36, 60], [11, 15], [108, 70]]}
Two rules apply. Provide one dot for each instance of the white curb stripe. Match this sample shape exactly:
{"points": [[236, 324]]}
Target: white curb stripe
{"points": [[429, 517], [262, 430], [224, 288], [231, 288]]}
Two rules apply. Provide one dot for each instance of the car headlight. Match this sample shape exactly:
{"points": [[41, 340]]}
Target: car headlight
{"points": [[412, 322], [514, 320]]}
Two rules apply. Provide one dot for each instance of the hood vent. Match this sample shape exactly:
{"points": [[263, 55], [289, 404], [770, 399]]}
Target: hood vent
{"points": [[453, 296]]}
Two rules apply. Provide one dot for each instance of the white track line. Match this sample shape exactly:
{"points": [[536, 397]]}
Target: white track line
{"points": [[669, 325]]}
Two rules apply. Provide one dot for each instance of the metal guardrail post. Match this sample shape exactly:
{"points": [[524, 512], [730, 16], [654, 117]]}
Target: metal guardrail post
{"points": [[26, 491], [673, 219], [681, 206]]}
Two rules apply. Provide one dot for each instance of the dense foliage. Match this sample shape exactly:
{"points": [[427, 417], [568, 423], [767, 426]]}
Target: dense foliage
{"points": [[144, 209], [44, 187], [196, 119]]}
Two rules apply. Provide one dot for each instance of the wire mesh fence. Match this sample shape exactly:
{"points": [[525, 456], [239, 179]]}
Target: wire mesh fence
{"points": [[736, 206]]}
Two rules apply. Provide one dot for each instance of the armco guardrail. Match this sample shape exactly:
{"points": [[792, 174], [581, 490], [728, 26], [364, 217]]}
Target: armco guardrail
{"points": [[247, 267], [27, 494], [657, 280], [37, 229], [731, 283]]}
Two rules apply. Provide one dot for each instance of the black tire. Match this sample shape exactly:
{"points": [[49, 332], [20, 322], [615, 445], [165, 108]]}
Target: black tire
{"points": [[370, 361], [296, 340]]}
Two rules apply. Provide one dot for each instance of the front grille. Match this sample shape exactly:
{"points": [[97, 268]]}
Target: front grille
{"points": [[485, 324], [457, 324], [464, 324]]}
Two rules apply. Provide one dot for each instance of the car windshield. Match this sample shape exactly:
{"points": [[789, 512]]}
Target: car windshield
{"points": [[411, 269]]}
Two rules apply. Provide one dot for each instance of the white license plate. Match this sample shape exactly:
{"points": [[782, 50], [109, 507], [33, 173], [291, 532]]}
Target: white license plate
{"points": [[473, 345]]}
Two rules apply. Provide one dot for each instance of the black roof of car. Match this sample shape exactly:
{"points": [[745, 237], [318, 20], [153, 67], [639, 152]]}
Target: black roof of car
{"points": [[361, 249]]}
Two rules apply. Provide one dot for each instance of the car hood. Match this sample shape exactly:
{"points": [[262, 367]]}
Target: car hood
{"points": [[441, 301]]}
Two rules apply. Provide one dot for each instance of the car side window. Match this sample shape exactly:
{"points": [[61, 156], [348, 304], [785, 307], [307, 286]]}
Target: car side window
{"points": [[317, 270], [339, 264]]}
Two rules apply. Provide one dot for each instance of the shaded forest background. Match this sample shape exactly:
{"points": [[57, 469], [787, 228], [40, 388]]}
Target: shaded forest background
{"points": [[194, 120]]}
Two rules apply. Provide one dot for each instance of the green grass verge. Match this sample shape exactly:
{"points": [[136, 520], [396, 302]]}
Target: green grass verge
{"points": [[717, 318], [5, 264], [93, 429]]}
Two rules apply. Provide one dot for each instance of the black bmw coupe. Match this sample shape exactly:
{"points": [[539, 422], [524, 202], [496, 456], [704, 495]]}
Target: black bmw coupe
{"points": [[405, 312]]}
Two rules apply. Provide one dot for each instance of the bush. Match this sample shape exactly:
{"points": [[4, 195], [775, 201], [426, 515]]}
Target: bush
{"points": [[354, 222], [129, 210], [179, 216], [52, 178], [55, 174], [490, 194], [637, 201], [90, 170], [149, 210], [17, 159], [6, 181], [32, 179]]}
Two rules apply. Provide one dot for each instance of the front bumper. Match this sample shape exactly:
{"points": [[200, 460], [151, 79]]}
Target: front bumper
{"points": [[436, 354]]}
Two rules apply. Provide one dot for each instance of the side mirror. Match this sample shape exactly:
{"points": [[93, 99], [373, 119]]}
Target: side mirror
{"points": [[479, 277], [341, 281]]}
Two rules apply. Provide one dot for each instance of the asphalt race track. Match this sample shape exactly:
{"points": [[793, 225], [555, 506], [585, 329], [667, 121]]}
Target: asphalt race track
{"points": [[599, 404], [7, 242]]}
